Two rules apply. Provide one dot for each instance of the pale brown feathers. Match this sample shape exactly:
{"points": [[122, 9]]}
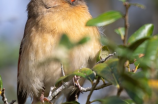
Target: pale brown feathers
{"points": [[42, 33]]}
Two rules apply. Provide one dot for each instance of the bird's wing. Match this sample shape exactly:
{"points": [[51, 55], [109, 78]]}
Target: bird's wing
{"points": [[21, 95]]}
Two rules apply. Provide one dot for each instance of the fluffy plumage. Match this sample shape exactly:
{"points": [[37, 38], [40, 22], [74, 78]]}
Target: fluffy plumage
{"points": [[47, 21]]}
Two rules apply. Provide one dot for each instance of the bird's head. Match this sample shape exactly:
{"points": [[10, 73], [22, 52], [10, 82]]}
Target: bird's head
{"points": [[37, 7]]}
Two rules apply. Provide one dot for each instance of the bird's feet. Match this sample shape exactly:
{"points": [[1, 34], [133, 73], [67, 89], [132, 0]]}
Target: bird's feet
{"points": [[77, 84], [44, 99]]}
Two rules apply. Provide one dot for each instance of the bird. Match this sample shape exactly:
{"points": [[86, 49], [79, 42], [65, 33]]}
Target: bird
{"points": [[47, 21]]}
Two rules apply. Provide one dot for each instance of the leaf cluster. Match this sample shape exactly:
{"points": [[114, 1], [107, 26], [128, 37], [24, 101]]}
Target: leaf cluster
{"points": [[141, 50]]}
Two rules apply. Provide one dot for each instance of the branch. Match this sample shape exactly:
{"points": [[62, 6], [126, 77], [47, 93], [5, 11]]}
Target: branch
{"points": [[61, 88], [13, 102], [50, 93], [53, 95], [106, 58], [62, 69], [127, 6], [119, 91], [97, 88], [93, 88], [4, 99]]}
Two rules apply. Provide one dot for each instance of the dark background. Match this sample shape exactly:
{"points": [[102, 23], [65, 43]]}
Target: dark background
{"points": [[13, 16]]}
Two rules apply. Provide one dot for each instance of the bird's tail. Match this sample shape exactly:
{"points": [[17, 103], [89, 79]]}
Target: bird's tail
{"points": [[21, 95]]}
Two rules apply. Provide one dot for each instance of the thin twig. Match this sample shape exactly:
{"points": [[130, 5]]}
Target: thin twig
{"points": [[97, 88], [65, 85], [93, 88], [60, 89], [62, 69], [68, 84], [119, 91], [103, 60], [50, 93], [4, 99], [127, 6], [77, 96], [13, 102]]}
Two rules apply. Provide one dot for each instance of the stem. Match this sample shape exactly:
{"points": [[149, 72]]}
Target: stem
{"points": [[106, 58], [97, 88], [93, 88], [127, 5], [119, 91], [4, 98], [103, 86]]}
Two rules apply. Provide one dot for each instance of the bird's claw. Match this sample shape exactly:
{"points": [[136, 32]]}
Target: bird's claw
{"points": [[44, 99], [76, 83]]}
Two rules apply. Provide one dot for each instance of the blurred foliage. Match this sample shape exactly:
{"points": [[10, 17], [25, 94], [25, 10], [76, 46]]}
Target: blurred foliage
{"points": [[108, 70], [121, 31], [68, 44], [112, 100], [103, 53], [156, 3], [105, 19], [141, 50], [85, 73], [8, 55]]}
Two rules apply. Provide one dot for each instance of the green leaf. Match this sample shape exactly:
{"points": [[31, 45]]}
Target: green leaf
{"points": [[72, 102], [103, 53], [84, 73], [136, 86], [107, 70], [121, 31], [105, 19], [140, 49], [1, 84], [123, 50], [144, 31], [129, 101], [138, 52], [137, 43], [151, 52], [83, 41], [111, 100], [65, 41], [63, 78], [107, 42], [136, 96]]}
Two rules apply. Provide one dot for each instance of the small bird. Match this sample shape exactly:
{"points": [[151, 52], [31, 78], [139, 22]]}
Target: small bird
{"points": [[47, 21]]}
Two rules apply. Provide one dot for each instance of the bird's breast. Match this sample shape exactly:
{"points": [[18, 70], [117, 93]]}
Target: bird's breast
{"points": [[39, 45]]}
